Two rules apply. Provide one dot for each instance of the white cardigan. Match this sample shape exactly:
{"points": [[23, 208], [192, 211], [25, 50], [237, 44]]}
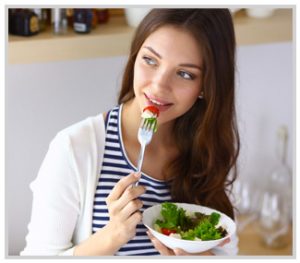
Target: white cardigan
{"points": [[63, 192]]}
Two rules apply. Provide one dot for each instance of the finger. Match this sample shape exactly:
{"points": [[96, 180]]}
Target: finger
{"points": [[131, 193], [206, 253], [224, 242], [131, 208], [127, 203], [134, 219], [160, 247], [121, 186], [150, 235], [181, 252]]}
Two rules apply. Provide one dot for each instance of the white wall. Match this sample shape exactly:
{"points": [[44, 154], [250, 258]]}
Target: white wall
{"points": [[265, 100], [42, 99]]}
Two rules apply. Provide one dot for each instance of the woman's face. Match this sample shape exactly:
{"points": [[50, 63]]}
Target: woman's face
{"points": [[168, 72]]}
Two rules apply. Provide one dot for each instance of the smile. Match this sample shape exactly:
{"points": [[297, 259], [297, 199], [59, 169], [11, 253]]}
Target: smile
{"points": [[161, 104], [156, 102]]}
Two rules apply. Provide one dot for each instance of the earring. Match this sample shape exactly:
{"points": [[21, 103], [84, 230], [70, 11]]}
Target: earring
{"points": [[201, 95]]}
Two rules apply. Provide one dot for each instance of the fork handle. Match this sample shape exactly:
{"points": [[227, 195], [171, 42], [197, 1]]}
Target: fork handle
{"points": [[140, 160]]}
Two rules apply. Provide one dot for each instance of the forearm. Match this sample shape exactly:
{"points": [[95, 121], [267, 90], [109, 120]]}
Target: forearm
{"points": [[99, 244]]}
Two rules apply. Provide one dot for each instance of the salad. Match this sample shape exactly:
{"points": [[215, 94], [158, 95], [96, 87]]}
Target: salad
{"points": [[150, 115], [181, 224]]}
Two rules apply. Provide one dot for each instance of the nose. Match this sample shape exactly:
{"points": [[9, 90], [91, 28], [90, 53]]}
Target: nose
{"points": [[162, 79]]}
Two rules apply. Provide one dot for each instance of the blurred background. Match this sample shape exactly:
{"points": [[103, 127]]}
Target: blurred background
{"points": [[65, 64]]}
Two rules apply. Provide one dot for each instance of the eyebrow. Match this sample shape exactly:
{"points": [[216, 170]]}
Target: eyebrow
{"points": [[189, 65], [153, 51]]}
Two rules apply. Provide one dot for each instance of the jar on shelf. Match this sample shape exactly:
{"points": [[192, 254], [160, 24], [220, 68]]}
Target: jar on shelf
{"points": [[42, 17], [23, 22], [82, 20], [102, 15]]}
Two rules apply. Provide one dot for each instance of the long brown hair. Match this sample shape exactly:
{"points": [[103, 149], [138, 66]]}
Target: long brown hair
{"points": [[206, 136]]}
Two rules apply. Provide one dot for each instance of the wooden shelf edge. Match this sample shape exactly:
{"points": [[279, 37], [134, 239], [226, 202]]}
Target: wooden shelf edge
{"points": [[113, 39]]}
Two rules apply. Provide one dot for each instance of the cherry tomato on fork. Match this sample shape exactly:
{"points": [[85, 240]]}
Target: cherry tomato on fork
{"points": [[153, 109]]}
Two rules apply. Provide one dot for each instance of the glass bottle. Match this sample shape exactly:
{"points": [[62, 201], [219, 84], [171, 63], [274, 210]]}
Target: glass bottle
{"points": [[276, 202], [59, 21], [102, 15], [42, 16], [70, 15]]}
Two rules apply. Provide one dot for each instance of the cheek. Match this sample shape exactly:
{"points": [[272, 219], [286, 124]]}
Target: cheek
{"points": [[137, 79], [142, 76], [187, 96]]}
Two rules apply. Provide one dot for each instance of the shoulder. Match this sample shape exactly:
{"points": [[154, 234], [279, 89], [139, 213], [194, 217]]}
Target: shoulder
{"points": [[82, 135], [84, 127]]}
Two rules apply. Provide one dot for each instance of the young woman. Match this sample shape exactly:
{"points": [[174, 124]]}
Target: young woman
{"points": [[183, 62]]}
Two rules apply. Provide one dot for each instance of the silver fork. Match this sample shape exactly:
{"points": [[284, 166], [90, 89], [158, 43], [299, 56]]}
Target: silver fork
{"points": [[145, 134]]}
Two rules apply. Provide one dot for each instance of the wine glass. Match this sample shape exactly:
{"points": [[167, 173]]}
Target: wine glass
{"points": [[245, 200], [273, 223]]}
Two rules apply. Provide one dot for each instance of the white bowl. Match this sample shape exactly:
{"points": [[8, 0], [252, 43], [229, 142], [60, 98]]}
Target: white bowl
{"points": [[151, 214]]}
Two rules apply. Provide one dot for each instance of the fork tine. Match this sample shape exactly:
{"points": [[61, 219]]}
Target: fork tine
{"points": [[149, 124], [143, 123], [153, 126]]}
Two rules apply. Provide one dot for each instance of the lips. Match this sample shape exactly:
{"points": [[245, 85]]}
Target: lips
{"points": [[161, 104]]}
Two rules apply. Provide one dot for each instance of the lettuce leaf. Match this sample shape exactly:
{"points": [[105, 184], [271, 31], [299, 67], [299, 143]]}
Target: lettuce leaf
{"points": [[200, 226], [173, 217]]}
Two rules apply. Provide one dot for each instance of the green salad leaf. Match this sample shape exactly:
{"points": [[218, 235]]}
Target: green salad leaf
{"points": [[196, 226], [173, 216]]}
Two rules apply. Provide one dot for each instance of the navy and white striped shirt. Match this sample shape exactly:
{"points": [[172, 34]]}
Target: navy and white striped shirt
{"points": [[115, 166]]}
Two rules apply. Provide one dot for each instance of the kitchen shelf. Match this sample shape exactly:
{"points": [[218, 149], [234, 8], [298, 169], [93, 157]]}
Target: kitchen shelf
{"points": [[110, 39], [277, 28], [113, 39]]}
